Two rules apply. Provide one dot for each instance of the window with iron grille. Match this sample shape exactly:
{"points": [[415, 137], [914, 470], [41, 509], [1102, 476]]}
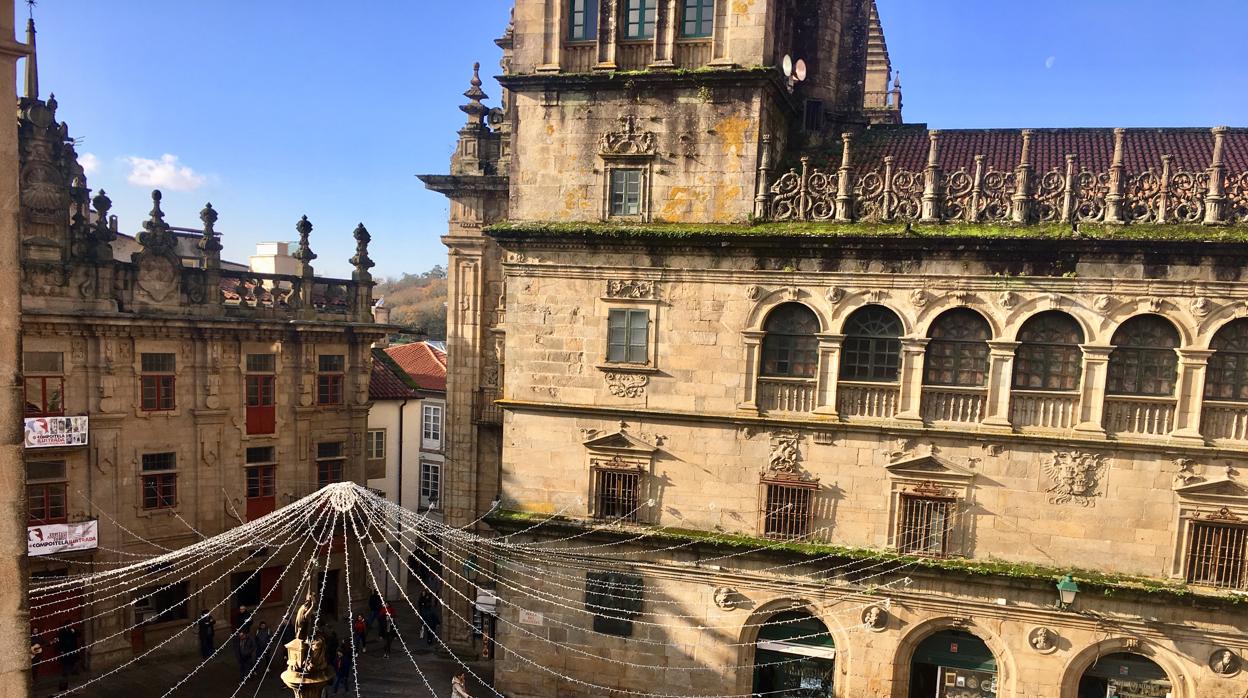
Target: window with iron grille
{"points": [[790, 345], [583, 20], [872, 347], [329, 379], [430, 482], [924, 524], [1048, 355], [1216, 554], [617, 493], [958, 351], [639, 18], [628, 336], [46, 492], [44, 383], [1143, 361], [787, 509], [1227, 375], [615, 600], [329, 462], [160, 481], [698, 18], [625, 192], [158, 381]]}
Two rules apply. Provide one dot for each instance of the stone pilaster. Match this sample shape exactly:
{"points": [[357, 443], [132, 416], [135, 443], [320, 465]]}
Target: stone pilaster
{"points": [[753, 340], [1000, 377], [1091, 408], [911, 378], [829, 371], [1189, 389]]}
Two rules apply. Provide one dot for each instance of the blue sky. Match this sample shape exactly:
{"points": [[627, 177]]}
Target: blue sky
{"points": [[271, 109]]}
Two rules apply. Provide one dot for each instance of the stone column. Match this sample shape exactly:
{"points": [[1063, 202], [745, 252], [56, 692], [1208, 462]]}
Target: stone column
{"points": [[931, 181], [552, 52], [14, 630], [829, 371], [608, 29], [1092, 389], [666, 19], [911, 378], [753, 340], [1000, 378], [1190, 389], [1117, 182]]}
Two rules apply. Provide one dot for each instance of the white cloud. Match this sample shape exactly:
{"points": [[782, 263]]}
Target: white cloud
{"points": [[90, 163], [164, 173], [1048, 62]]}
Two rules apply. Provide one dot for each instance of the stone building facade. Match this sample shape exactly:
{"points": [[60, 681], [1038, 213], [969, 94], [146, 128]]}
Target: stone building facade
{"points": [[169, 397], [771, 330]]}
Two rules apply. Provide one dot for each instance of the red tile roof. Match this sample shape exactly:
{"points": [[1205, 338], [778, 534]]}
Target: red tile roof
{"points": [[385, 382], [1191, 148], [423, 363]]}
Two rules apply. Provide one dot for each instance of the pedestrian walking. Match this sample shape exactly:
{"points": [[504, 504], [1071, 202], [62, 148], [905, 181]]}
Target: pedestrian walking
{"points": [[429, 617], [387, 632], [459, 689], [342, 670], [264, 637], [67, 650], [360, 628], [374, 607], [244, 619], [244, 651], [207, 626]]}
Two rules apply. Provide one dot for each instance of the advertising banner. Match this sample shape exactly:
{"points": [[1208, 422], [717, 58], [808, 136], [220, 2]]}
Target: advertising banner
{"points": [[50, 432], [49, 539]]}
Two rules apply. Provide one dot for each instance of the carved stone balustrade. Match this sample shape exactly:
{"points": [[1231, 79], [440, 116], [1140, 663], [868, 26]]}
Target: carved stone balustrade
{"points": [[1139, 416], [786, 394], [863, 399], [1044, 409], [1225, 421], [954, 404]]}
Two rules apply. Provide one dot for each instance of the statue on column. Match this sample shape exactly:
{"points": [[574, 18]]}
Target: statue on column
{"points": [[307, 671]]}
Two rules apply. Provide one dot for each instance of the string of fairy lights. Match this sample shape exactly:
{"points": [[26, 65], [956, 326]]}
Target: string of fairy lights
{"points": [[539, 568]]}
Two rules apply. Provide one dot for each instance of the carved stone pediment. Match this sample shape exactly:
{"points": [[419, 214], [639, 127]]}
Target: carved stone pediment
{"points": [[1214, 490], [620, 441], [930, 468]]}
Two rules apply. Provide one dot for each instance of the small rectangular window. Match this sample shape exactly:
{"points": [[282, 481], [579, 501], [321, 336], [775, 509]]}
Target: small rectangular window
{"points": [[158, 363], [617, 494], [698, 18], [46, 362], [1217, 555], [626, 192], [329, 379], [261, 363], [639, 18], [787, 510], [924, 524], [431, 428], [160, 482], [46, 492], [582, 20], [330, 449], [615, 601], [628, 336], [260, 454], [376, 443], [158, 381], [159, 461], [430, 482], [329, 463], [330, 363]]}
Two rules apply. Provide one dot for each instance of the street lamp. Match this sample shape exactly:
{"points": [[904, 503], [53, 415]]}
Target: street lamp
{"points": [[1066, 590]]}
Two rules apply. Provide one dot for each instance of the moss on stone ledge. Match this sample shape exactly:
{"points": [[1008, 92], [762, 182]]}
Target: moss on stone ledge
{"points": [[693, 231], [1089, 580]]}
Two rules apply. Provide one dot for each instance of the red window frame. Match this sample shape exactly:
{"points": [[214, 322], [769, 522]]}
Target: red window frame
{"points": [[41, 408], [329, 471], [329, 389], [41, 500], [159, 392], [160, 491], [261, 404], [261, 482]]}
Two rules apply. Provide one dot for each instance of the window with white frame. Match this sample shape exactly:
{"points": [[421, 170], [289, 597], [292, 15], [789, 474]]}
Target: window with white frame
{"points": [[376, 444], [431, 426], [430, 482]]}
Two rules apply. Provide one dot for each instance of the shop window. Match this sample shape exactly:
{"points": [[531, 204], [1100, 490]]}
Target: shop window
{"points": [[160, 480], [44, 383], [615, 601], [158, 380], [330, 368]]}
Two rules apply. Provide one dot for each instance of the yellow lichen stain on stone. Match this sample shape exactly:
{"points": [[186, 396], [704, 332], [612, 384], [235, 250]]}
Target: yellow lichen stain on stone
{"points": [[681, 202], [537, 507], [732, 131], [576, 199], [742, 6], [550, 129], [724, 198]]}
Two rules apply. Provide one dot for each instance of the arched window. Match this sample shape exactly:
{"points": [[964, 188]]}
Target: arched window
{"points": [[791, 349], [1048, 356], [1143, 361], [1227, 376], [872, 349], [958, 352]]}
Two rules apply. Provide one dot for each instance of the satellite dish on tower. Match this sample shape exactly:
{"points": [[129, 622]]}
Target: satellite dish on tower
{"points": [[799, 70], [787, 65]]}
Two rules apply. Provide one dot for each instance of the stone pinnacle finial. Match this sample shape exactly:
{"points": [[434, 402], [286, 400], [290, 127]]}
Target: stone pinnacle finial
{"points": [[156, 236], [304, 253], [32, 64], [210, 242], [475, 110], [361, 261]]}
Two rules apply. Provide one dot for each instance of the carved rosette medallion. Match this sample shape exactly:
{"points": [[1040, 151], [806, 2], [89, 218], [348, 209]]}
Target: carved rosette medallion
{"points": [[1076, 477], [630, 385], [726, 598]]}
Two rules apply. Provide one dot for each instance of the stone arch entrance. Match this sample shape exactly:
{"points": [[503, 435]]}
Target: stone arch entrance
{"points": [[1122, 669], [952, 658], [794, 656]]}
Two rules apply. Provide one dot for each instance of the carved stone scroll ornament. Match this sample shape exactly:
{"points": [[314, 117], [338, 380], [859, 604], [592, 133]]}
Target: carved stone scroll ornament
{"points": [[630, 288], [630, 385], [628, 140], [1076, 477]]}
